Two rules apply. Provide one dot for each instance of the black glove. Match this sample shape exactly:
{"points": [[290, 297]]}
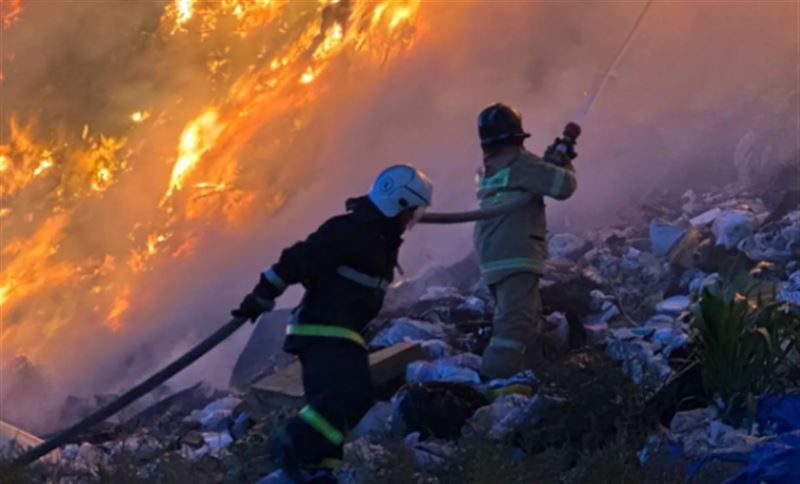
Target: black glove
{"points": [[260, 301], [252, 307]]}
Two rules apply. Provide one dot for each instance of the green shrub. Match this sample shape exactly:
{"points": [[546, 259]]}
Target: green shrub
{"points": [[744, 339]]}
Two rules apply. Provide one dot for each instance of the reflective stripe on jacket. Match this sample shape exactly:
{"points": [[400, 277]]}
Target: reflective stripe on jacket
{"points": [[515, 242]]}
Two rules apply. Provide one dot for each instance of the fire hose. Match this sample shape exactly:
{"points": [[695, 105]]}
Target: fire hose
{"points": [[68, 434]]}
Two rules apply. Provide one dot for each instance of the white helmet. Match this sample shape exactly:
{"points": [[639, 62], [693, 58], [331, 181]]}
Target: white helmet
{"points": [[400, 187]]}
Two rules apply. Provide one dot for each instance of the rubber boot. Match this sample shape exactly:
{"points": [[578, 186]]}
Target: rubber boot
{"points": [[501, 362]]}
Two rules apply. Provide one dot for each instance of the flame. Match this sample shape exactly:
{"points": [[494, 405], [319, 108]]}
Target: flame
{"points": [[120, 305], [56, 175], [10, 11], [30, 269], [197, 138], [139, 116]]}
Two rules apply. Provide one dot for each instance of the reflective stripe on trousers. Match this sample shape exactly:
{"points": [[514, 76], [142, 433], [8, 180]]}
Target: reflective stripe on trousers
{"points": [[510, 264], [321, 425], [325, 331]]}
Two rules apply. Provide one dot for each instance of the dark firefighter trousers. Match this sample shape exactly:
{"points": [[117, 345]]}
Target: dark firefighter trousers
{"points": [[338, 389]]}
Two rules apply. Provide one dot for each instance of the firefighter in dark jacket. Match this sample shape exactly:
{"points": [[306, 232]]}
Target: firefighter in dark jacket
{"points": [[346, 266]]}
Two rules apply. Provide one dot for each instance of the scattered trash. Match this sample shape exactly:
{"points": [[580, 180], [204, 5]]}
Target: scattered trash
{"points": [[674, 305], [436, 409], [440, 370], [732, 226], [705, 218], [778, 414], [664, 236], [428, 455], [405, 329], [375, 422], [566, 246]]}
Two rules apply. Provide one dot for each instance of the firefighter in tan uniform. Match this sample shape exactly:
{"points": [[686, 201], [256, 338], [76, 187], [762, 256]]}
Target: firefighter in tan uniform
{"points": [[512, 248]]}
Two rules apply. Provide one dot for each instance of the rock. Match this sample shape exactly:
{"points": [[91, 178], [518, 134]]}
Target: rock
{"points": [[567, 246], [732, 226], [674, 305], [424, 371], [405, 329], [663, 236], [374, 422], [705, 218], [437, 408]]}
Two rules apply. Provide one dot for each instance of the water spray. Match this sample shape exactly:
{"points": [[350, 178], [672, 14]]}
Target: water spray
{"points": [[580, 116]]}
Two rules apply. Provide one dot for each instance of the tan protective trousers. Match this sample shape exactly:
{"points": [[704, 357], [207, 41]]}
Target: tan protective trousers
{"points": [[516, 340]]}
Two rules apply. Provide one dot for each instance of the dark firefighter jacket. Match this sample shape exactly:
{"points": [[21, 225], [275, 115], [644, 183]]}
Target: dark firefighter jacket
{"points": [[345, 266]]}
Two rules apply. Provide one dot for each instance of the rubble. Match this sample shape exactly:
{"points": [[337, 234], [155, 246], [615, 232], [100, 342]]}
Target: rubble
{"points": [[436, 409], [406, 329], [628, 288], [732, 226], [567, 246]]}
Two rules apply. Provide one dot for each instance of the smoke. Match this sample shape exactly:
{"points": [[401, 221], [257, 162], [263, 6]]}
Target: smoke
{"points": [[698, 79]]}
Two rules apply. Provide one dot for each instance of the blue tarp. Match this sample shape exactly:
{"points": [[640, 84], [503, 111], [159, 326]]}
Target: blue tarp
{"points": [[778, 413], [776, 460]]}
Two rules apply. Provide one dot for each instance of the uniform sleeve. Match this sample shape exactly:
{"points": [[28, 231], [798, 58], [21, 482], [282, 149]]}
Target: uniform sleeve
{"points": [[546, 179], [321, 251]]}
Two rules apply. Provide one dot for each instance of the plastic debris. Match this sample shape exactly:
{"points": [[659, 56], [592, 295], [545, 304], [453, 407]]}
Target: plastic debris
{"points": [[216, 416], [732, 226], [566, 246], [439, 409], [405, 329], [790, 290], [664, 236], [674, 305], [778, 413], [440, 370], [776, 460], [436, 348], [216, 442], [374, 422], [488, 417], [428, 455], [372, 456], [705, 218]]}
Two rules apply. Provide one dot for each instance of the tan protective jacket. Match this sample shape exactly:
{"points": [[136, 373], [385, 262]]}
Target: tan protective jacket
{"points": [[516, 242]]}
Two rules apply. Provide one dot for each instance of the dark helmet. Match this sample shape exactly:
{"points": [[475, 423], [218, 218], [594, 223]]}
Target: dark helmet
{"points": [[500, 122]]}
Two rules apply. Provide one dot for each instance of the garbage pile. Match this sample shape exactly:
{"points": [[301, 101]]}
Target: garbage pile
{"points": [[626, 291]]}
